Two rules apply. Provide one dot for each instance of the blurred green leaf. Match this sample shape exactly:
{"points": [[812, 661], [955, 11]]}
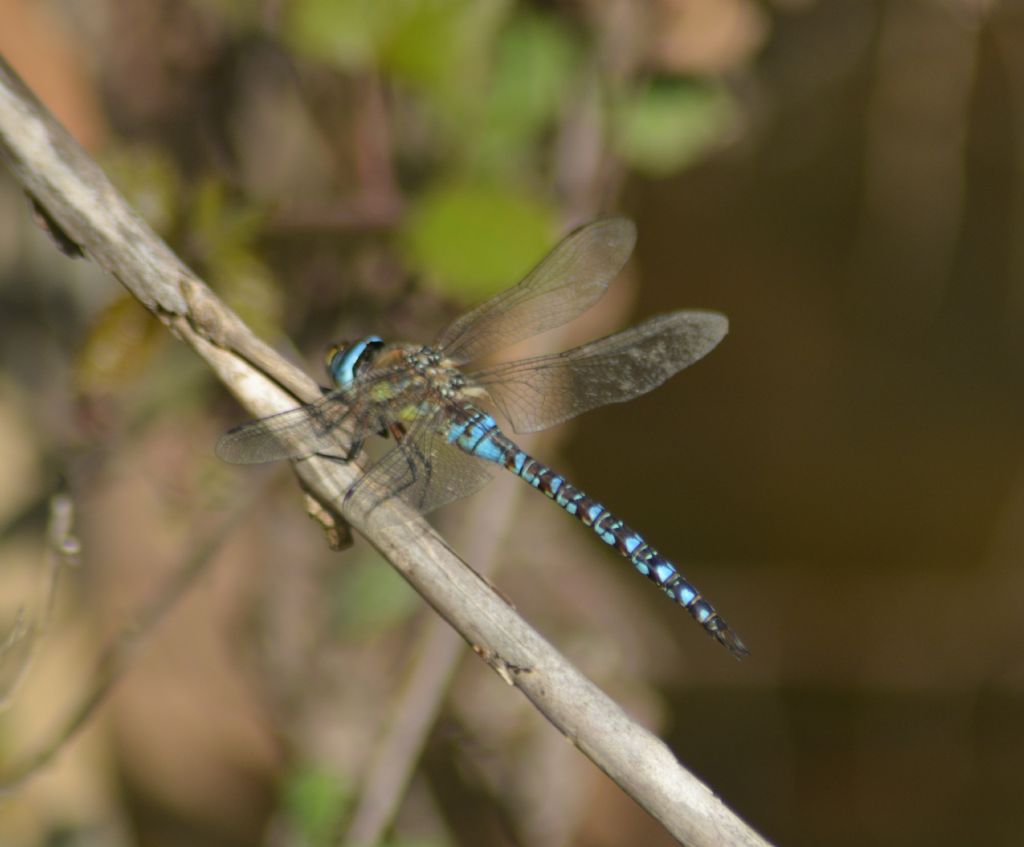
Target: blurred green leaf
{"points": [[248, 286], [223, 236], [440, 44], [430, 43], [474, 239], [149, 180], [342, 32], [316, 803], [670, 124], [534, 61], [217, 222], [120, 344], [371, 597], [536, 57]]}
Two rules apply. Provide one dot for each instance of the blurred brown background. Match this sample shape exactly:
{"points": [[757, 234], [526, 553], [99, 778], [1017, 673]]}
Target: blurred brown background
{"points": [[843, 477]]}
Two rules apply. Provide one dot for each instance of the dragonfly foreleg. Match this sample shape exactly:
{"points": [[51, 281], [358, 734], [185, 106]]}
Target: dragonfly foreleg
{"points": [[355, 447]]}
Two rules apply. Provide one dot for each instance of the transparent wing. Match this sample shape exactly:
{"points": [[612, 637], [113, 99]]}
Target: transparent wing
{"points": [[540, 392], [566, 283], [423, 470], [289, 435]]}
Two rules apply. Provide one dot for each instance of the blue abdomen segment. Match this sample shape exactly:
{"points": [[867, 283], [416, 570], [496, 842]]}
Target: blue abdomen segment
{"points": [[477, 433]]}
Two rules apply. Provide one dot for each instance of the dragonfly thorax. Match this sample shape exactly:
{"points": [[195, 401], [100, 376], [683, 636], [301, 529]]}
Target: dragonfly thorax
{"points": [[437, 372]]}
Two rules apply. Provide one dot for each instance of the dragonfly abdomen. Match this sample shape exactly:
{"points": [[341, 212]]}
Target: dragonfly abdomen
{"points": [[478, 434]]}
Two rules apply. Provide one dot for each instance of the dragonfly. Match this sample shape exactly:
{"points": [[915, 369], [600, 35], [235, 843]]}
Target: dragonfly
{"points": [[428, 399]]}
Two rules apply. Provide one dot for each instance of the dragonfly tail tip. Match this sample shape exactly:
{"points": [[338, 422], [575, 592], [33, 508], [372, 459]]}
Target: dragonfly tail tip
{"points": [[731, 641]]}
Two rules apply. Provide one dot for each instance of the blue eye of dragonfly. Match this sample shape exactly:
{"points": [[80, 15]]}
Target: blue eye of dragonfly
{"points": [[446, 447], [346, 361]]}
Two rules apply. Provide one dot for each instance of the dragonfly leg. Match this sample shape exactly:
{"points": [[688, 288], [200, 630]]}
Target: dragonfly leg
{"points": [[416, 460], [353, 451], [428, 474], [394, 482]]}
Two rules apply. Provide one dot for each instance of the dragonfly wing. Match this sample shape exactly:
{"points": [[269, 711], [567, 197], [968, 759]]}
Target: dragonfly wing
{"points": [[424, 470], [300, 432], [568, 281], [540, 392]]}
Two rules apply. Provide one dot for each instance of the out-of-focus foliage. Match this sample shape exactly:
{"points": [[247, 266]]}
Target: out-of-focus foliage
{"points": [[536, 59], [478, 113], [670, 124], [370, 598], [314, 804], [150, 181], [223, 236], [220, 236], [474, 237], [431, 44], [485, 90], [118, 348]]}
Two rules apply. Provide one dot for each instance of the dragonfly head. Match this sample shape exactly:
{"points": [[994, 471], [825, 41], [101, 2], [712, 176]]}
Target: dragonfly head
{"points": [[347, 360]]}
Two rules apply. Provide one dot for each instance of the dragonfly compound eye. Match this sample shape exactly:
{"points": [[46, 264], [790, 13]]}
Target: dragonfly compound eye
{"points": [[346, 361]]}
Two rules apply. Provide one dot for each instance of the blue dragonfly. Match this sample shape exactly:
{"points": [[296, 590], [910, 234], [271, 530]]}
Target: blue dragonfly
{"points": [[446, 446]]}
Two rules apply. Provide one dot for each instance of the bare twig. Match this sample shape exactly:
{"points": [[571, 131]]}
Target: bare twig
{"points": [[18, 649], [16, 652], [116, 659], [431, 671], [59, 175], [64, 547]]}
